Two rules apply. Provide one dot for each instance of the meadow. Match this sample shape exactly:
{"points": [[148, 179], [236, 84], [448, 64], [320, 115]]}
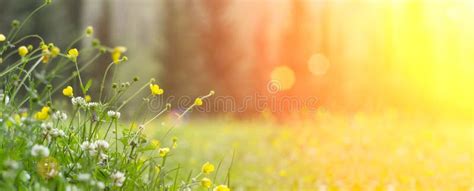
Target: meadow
{"points": [[335, 152]]}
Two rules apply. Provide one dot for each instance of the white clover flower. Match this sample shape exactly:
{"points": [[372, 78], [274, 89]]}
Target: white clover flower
{"points": [[61, 116], [24, 176], [100, 185], [47, 126], [78, 101], [102, 144], [83, 177], [39, 151], [72, 188], [57, 133], [91, 148], [11, 164], [113, 114], [118, 178], [92, 104]]}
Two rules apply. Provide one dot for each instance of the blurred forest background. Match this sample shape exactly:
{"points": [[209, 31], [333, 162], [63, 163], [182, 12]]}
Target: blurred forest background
{"points": [[351, 55]]}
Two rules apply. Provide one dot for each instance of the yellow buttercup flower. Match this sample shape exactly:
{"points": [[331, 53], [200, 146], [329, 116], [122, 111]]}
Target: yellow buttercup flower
{"points": [[73, 54], [155, 143], [198, 101], [206, 182], [2, 38], [43, 114], [207, 168], [155, 89], [221, 188], [46, 54], [22, 51], [88, 98], [55, 51], [164, 151], [117, 53], [68, 91]]}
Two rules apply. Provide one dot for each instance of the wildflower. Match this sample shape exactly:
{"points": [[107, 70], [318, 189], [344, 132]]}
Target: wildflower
{"points": [[39, 151], [89, 147], [83, 177], [221, 188], [117, 53], [207, 168], [155, 143], [164, 151], [113, 114], [88, 98], [102, 145], [24, 176], [118, 178], [68, 91], [198, 101], [22, 51], [61, 116], [2, 38], [206, 182], [55, 51], [78, 101], [73, 54], [100, 185], [92, 105], [89, 31], [43, 114], [46, 55], [155, 89]]}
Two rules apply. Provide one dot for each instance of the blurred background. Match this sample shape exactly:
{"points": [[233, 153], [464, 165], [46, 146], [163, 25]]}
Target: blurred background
{"points": [[413, 56]]}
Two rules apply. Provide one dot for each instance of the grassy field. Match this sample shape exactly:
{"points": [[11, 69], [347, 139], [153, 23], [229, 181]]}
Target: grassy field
{"points": [[331, 152]]}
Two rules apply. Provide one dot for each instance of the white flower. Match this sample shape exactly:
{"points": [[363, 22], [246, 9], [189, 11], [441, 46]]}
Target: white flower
{"points": [[72, 188], [78, 101], [24, 176], [40, 151], [11, 164], [92, 104], [113, 114], [91, 148], [118, 178], [61, 116], [102, 144], [83, 177], [57, 133]]}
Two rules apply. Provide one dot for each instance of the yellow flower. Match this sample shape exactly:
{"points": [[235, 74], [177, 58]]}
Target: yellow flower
{"points": [[155, 89], [73, 54], [206, 182], [2, 38], [68, 91], [117, 53], [88, 98], [43, 114], [17, 118], [198, 101], [55, 51], [207, 168], [155, 143], [221, 188], [164, 151], [46, 54], [22, 51]]}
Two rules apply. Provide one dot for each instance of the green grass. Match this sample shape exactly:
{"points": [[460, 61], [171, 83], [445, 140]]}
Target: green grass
{"points": [[333, 152]]}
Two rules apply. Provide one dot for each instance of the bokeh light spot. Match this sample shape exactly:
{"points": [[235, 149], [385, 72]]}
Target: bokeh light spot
{"points": [[285, 76], [318, 64]]}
